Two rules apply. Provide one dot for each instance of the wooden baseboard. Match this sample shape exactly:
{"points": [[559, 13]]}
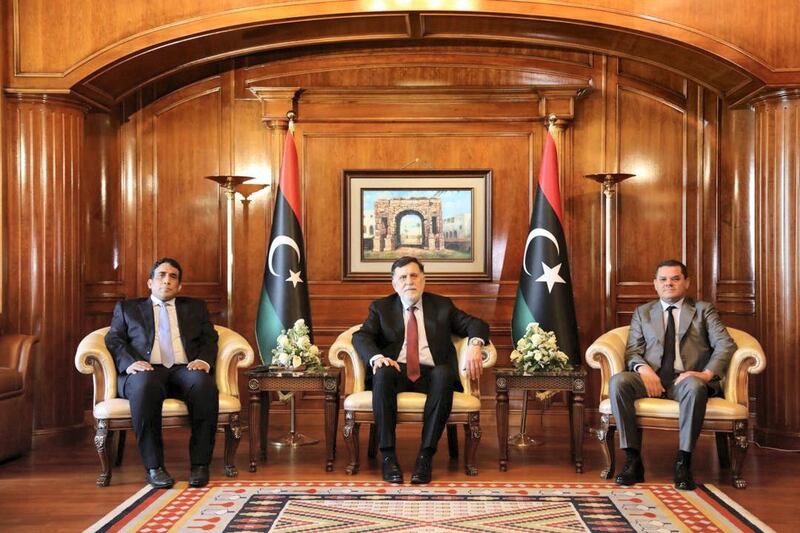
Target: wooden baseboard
{"points": [[787, 440], [62, 435]]}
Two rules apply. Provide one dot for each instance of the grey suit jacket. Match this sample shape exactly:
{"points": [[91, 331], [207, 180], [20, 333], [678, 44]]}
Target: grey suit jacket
{"points": [[704, 341]]}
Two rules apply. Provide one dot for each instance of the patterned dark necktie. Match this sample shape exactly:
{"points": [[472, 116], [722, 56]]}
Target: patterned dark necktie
{"points": [[667, 370], [412, 346]]}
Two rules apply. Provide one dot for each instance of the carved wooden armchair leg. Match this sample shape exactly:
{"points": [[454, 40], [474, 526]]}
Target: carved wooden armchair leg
{"points": [[372, 445], [233, 435], [452, 440], [103, 445], [120, 435], [472, 432], [350, 431], [723, 446], [606, 437], [739, 445]]}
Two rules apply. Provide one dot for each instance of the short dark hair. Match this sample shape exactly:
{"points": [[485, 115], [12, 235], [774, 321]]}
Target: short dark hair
{"points": [[672, 263], [170, 261], [405, 260]]}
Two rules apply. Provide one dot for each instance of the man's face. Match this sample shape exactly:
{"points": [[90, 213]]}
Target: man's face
{"points": [[164, 284], [670, 284], [408, 282]]}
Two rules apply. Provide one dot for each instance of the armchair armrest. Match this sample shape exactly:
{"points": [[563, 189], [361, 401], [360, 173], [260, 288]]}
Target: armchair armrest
{"points": [[234, 352], [343, 350], [608, 354], [92, 357], [15, 351], [748, 358], [488, 357]]}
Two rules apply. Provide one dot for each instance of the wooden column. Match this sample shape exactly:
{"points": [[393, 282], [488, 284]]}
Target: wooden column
{"points": [[276, 102], [777, 266], [44, 141]]}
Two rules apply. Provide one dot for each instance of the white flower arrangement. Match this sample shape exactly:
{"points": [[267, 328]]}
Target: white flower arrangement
{"points": [[537, 351], [295, 349]]}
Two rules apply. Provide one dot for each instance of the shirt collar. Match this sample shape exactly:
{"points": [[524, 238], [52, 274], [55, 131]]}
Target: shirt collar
{"points": [[677, 304], [156, 301]]}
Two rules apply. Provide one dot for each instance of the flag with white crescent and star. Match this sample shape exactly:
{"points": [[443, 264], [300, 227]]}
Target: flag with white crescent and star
{"points": [[545, 287], [284, 293]]}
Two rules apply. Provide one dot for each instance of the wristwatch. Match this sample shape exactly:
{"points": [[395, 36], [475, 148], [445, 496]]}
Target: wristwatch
{"points": [[476, 342]]}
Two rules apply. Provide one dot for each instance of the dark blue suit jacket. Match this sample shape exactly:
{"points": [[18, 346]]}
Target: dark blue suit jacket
{"points": [[133, 332]]}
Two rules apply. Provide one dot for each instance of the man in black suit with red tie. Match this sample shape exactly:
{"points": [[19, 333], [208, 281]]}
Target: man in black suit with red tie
{"points": [[165, 346], [406, 341]]}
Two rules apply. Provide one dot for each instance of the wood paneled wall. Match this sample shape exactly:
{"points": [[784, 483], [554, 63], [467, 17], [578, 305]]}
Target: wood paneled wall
{"points": [[145, 195], [778, 290], [43, 231]]}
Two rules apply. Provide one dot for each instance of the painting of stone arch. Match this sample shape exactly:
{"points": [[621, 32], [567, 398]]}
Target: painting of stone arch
{"points": [[432, 224], [440, 216]]}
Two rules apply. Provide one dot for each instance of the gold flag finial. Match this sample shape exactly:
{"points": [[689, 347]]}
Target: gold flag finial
{"points": [[291, 115]]}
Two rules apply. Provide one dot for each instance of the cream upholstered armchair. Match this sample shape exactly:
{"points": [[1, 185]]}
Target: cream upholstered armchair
{"points": [[410, 405], [112, 415], [726, 417]]}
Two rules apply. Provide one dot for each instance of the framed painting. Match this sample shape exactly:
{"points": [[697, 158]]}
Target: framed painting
{"points": [[443, 217]]}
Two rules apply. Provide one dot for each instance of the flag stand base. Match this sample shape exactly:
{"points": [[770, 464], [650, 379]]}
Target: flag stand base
{"points": [[294, 438], [522, 439]]}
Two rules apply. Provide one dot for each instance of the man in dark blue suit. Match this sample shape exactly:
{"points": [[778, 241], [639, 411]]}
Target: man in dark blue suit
{"points": [[165, 346], [406, 342]]}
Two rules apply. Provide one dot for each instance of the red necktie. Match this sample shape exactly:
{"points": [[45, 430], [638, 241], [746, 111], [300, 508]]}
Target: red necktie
{"points": [[412, 346]]}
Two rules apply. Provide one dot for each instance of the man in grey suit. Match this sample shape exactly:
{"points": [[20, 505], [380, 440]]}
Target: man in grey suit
{"points": [[679, 349]]}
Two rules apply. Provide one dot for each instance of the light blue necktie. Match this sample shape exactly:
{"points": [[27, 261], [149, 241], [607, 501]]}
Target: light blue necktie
{"points": [[165, 337]]}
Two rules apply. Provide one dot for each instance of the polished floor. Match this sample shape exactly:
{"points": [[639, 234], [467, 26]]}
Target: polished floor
{"points": [[53, 488]]}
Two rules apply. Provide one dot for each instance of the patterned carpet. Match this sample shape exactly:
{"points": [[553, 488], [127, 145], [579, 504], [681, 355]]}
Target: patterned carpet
{"points": [[335, 507]]}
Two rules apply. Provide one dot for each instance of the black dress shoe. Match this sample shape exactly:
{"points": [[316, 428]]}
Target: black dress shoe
{"points": [[632, 473], [422, 470], [391, 470], [198, 476], [159, 478], [683, 476]]}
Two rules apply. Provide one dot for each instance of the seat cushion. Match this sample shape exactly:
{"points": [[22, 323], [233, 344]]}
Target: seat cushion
{"points": [[117, 408], [411, 402], [717, 408], [10, 381]]}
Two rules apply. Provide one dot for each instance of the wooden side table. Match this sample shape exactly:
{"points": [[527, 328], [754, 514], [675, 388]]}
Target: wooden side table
{"points": [[263, 379], [572, 381]]}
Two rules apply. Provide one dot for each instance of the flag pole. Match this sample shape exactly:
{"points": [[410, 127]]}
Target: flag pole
{"points": [[522, 439], [293, 438]]}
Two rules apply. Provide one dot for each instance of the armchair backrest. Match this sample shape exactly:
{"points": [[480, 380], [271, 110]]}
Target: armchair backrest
{"points": [[92, 357], [344, 345]]}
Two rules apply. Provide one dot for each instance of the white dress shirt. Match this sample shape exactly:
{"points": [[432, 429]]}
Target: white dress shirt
{"points": [[177, 344]]}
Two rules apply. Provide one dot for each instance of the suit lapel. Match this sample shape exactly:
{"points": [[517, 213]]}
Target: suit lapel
{"points": [[430, 316], [657, 319], [149, 323], [687, 315]]}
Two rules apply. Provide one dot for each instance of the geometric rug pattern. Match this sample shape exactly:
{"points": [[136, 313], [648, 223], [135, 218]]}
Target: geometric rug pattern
{"points": [[353, 507]]}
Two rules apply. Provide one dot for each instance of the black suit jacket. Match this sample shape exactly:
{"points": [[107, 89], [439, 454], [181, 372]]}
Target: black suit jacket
{"points": [[133, 332], [384, 330]]}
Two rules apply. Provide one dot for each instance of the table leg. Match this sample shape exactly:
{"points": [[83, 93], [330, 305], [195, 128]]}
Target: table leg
{"points": [[502, 422], [264, 424], [577, 430], [330, 426], [254, 408]]}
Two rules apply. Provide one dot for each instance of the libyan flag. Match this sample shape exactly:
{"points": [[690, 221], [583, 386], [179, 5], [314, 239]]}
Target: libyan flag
{"points": [[284, 293], [545, 287]]}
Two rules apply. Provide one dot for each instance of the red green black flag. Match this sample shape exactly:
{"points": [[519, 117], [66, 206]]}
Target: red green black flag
{"points": [[545, 287], [284, 293]]}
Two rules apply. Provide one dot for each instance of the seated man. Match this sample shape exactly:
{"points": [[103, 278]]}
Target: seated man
{"points": [[678, 349], [165, 346], [406, 341]]}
